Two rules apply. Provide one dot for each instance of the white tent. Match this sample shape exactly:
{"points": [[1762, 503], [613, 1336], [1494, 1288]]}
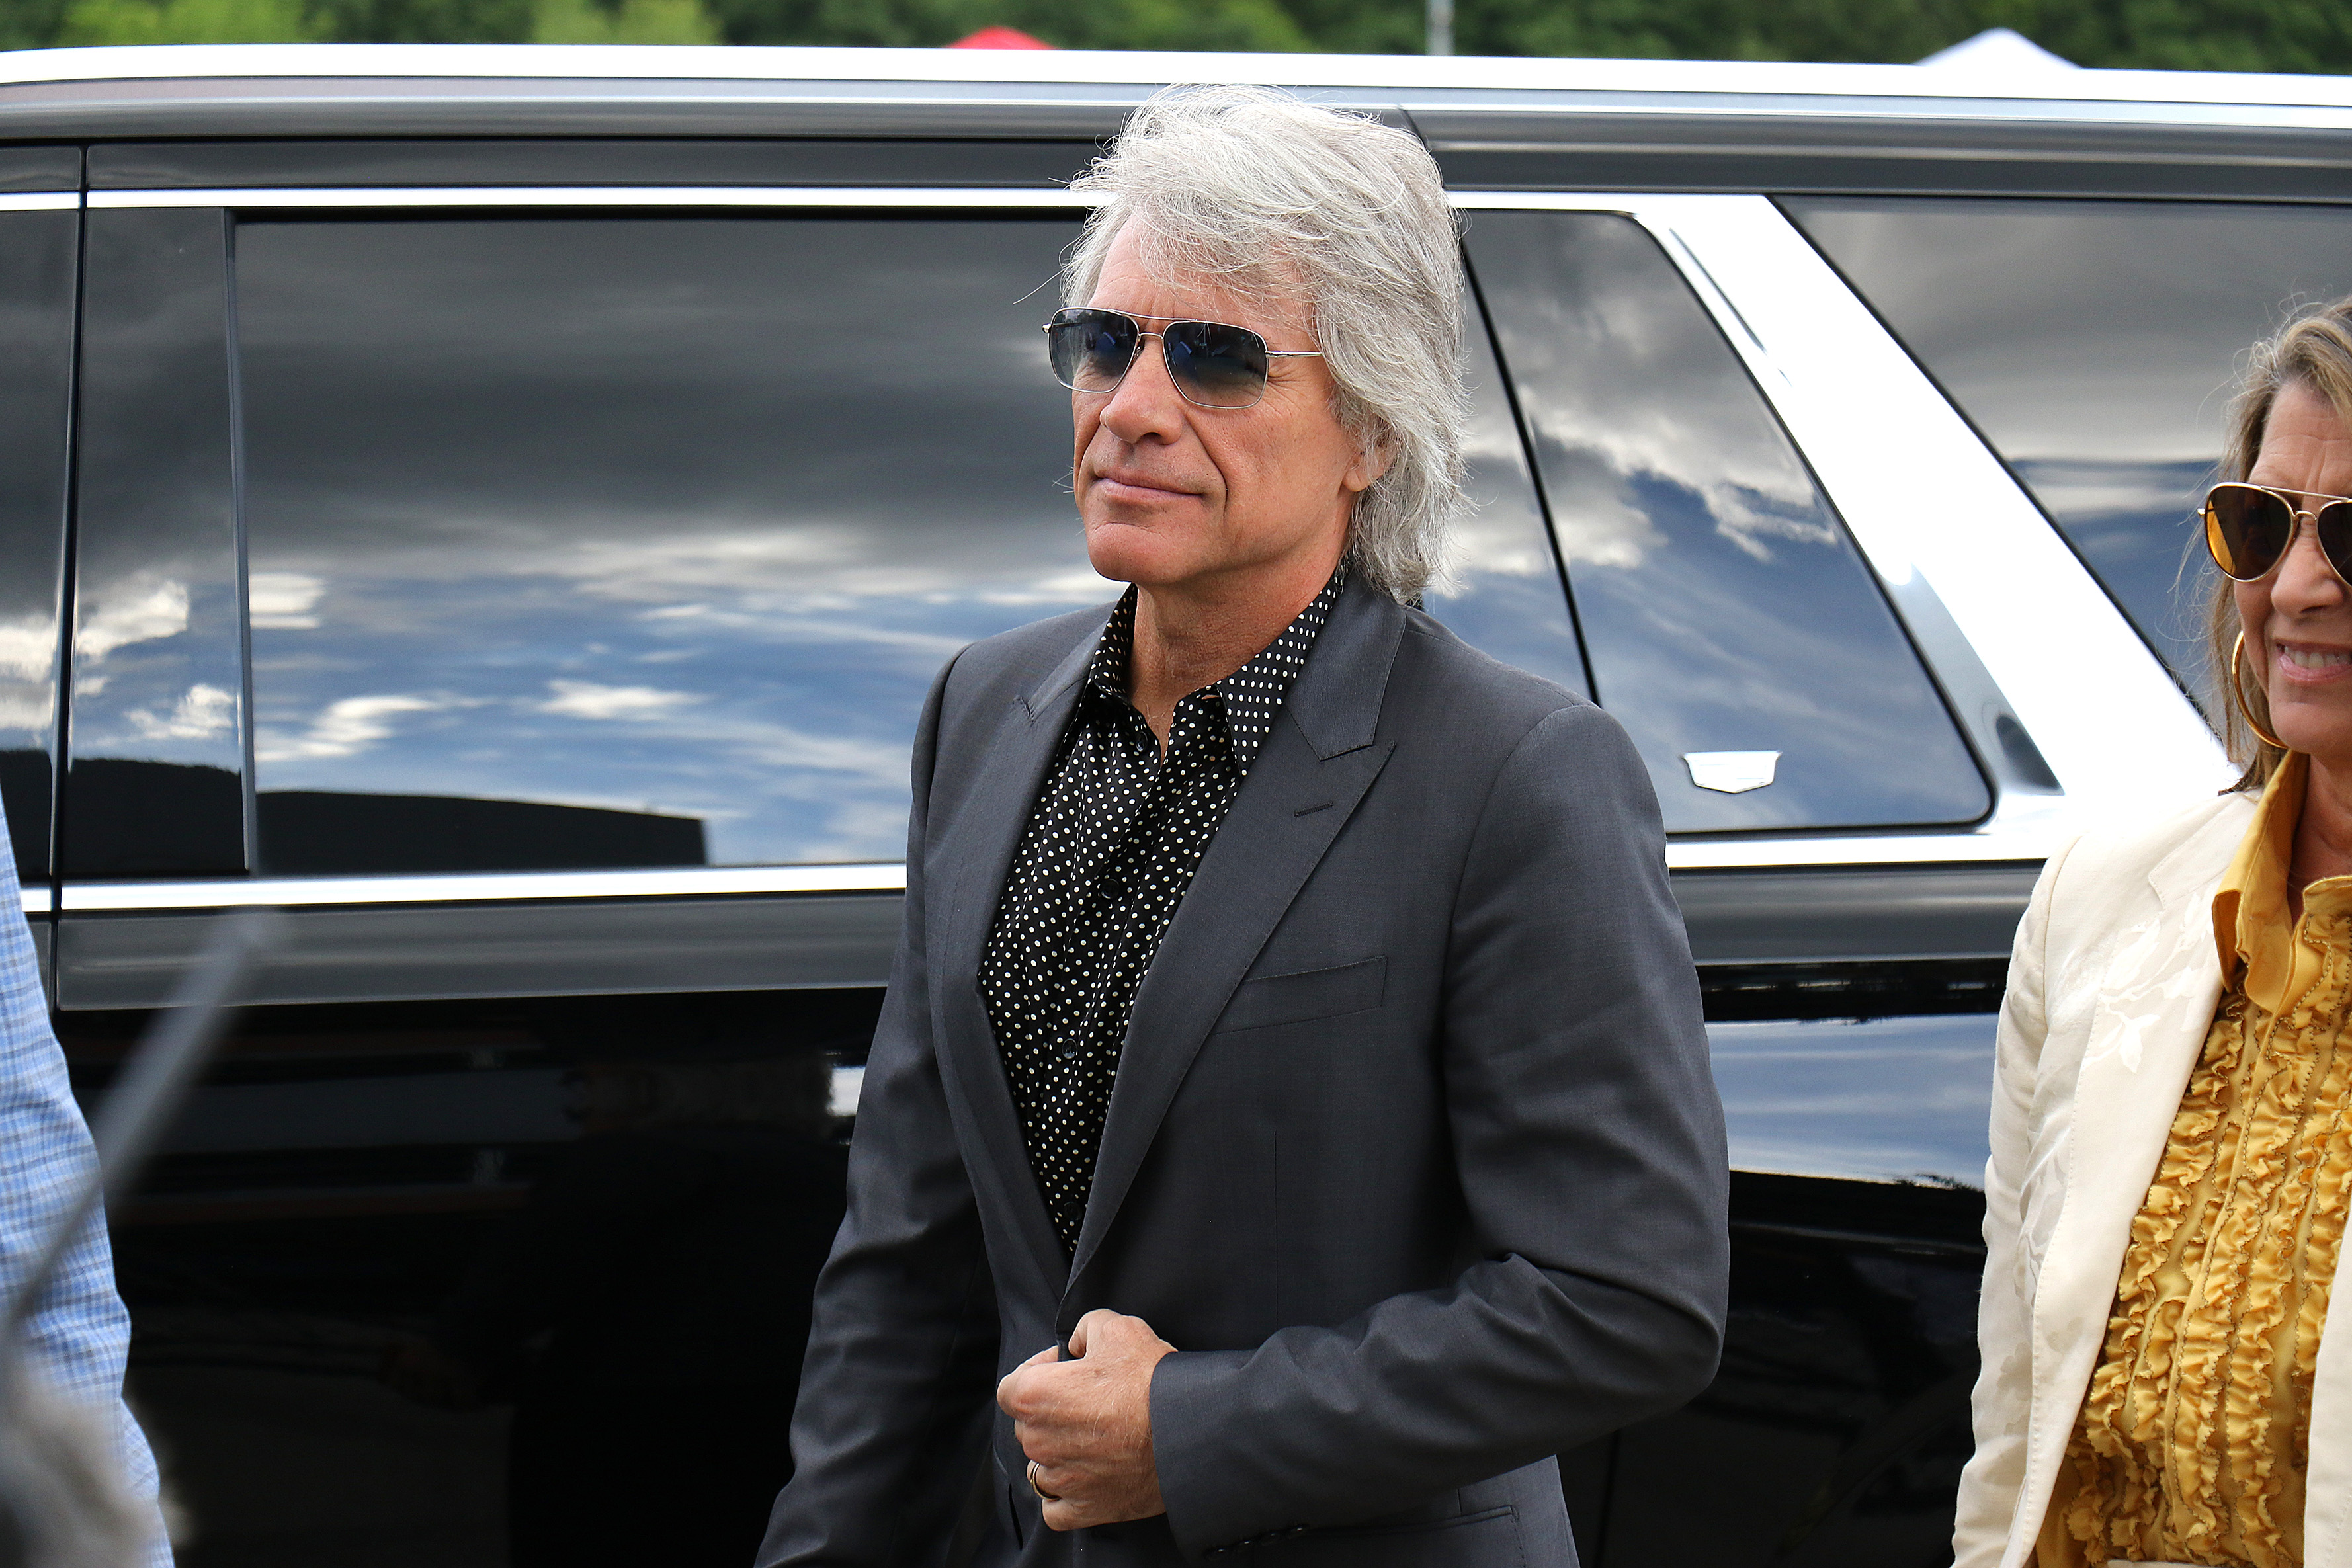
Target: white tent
{"points": [[1999, 49]]}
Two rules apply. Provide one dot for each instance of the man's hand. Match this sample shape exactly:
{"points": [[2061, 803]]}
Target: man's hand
{"points": [[1086, 1423]]}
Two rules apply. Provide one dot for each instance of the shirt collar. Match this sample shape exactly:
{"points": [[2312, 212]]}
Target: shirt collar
{"points": [[1251, 696], [2253, 922]]}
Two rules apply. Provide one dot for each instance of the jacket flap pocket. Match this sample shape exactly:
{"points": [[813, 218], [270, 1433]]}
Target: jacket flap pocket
{"points": [[1271, 999]]}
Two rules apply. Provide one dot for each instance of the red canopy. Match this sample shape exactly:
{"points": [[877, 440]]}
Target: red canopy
{"points": [[1000, 39]]}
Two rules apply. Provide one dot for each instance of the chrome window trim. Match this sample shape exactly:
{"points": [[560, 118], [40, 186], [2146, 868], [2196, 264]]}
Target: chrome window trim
{"points": [[2018, 841], [490, 887], [693, 881], [39, 200], [605, 196], [35, 897]]}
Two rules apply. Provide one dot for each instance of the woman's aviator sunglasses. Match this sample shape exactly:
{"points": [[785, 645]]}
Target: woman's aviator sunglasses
{"points": [[1213, 365], [2249, 530]]}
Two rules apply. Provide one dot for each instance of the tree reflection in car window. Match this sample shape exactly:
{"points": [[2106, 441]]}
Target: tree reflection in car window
{"points": [[2093, 343], [1723, 609]]}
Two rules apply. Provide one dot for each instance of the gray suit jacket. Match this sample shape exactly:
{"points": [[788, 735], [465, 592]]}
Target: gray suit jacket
{"points": [[1414, 1152]]}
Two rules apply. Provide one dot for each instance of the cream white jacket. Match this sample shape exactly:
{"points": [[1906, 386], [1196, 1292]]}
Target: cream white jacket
{"points": [[2112, 991]]}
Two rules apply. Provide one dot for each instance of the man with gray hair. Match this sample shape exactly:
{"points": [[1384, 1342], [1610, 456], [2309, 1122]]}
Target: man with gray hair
{"points": [[1291, 1099]]}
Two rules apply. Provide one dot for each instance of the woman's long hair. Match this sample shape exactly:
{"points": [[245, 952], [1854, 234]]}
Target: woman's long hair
{"points": [[2316, 350]]}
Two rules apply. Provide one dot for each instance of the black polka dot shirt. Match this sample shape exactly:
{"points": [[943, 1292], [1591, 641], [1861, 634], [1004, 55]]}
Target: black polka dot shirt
{"points": [[1111, 845]]}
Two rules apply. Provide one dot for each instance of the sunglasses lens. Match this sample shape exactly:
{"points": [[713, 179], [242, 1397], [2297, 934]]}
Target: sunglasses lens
{"points": [[1090, 349], [2248, 530], [1216, 367], [2333, 527]]}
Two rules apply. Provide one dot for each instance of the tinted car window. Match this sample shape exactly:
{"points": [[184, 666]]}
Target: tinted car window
{"points": [[1730, 621], [2094, 344], [157, 733], [1502, 592], [637, 542], [37, 284], [632, 541]]}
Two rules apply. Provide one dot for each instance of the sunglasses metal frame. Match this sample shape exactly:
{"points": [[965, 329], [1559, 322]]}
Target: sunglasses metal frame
{"points": [[1165, 322], [2294, 531]]}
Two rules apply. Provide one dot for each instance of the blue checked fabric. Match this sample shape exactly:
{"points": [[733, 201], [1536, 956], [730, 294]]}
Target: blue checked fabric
{"points": [[81, 1333]]}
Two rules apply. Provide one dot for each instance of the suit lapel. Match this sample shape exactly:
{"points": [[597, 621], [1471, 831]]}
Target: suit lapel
{"points": [[1307, 783], [997, 809]]}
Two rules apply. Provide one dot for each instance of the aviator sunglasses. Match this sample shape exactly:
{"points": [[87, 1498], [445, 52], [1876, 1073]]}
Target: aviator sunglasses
{"points": [[2249, 530], [1213, 365]]}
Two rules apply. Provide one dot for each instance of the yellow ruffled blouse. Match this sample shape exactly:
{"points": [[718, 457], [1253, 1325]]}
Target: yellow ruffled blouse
{"points": [[2192, 1443]]}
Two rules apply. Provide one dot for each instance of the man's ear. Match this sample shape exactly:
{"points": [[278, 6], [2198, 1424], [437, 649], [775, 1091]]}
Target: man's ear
{"points": [[1372, 460]]}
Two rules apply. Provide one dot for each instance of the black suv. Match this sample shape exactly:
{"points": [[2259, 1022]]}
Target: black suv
{"points": [[504, 505]]}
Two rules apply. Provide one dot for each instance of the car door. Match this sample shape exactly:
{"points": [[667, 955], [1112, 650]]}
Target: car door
{"points": [[532, 595], [1782, 543], [532, 592]]}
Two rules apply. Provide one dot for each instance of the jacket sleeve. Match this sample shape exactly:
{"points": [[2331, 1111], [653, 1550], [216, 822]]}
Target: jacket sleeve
{"points": [[896, 1390], [79, 1337], [1589, 1151], [2003, 1398]]}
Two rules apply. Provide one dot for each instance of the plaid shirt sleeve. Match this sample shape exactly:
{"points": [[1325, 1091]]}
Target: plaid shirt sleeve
{"points": [[82, 1334]]}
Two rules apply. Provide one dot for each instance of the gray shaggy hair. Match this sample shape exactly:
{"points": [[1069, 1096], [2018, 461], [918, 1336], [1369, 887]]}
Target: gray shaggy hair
{"points": [[1256, 191]]}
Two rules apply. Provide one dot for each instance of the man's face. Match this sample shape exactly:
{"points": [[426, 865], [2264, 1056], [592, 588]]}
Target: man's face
{"points": [[1173, 494]]}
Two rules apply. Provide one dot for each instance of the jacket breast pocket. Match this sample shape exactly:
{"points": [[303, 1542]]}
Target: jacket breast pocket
{"points": [[1305, 996]]}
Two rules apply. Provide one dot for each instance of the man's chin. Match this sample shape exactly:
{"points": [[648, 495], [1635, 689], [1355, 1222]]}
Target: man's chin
{"points": [[1127, 552]]}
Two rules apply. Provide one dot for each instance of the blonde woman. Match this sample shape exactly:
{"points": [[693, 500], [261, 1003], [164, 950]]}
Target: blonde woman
{"points": [[2172, 1117]]}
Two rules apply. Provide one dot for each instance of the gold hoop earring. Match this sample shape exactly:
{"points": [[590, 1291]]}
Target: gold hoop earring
{"points": [[2238, 696]]}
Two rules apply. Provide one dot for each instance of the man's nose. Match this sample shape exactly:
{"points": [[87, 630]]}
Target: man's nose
{"points": [[2305, 582], [1145, 403]]}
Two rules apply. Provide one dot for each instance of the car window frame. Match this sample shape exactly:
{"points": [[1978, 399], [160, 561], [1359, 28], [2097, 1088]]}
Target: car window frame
{"points": [[36, 859], [1702, 235]]}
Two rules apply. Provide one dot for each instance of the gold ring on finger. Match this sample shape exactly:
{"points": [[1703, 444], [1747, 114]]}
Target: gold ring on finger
{"points": [[1043, 1494]]}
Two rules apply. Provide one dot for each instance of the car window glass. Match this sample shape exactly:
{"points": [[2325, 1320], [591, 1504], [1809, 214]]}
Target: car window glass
{"points": [[2093, 343], [604, 543], [1730, 623], [1502, 592], [157, 736], [36, 283], [634, 541]]}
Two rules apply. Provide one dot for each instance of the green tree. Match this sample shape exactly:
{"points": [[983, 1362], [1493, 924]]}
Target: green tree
{"points": [[185, 22], [2163, 34], [1869, 30], [628, 22], [30, 24], [879, 24], [2172, 34], [425, 21], [2193, 35], [1247, 25], [1243, 24]]}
